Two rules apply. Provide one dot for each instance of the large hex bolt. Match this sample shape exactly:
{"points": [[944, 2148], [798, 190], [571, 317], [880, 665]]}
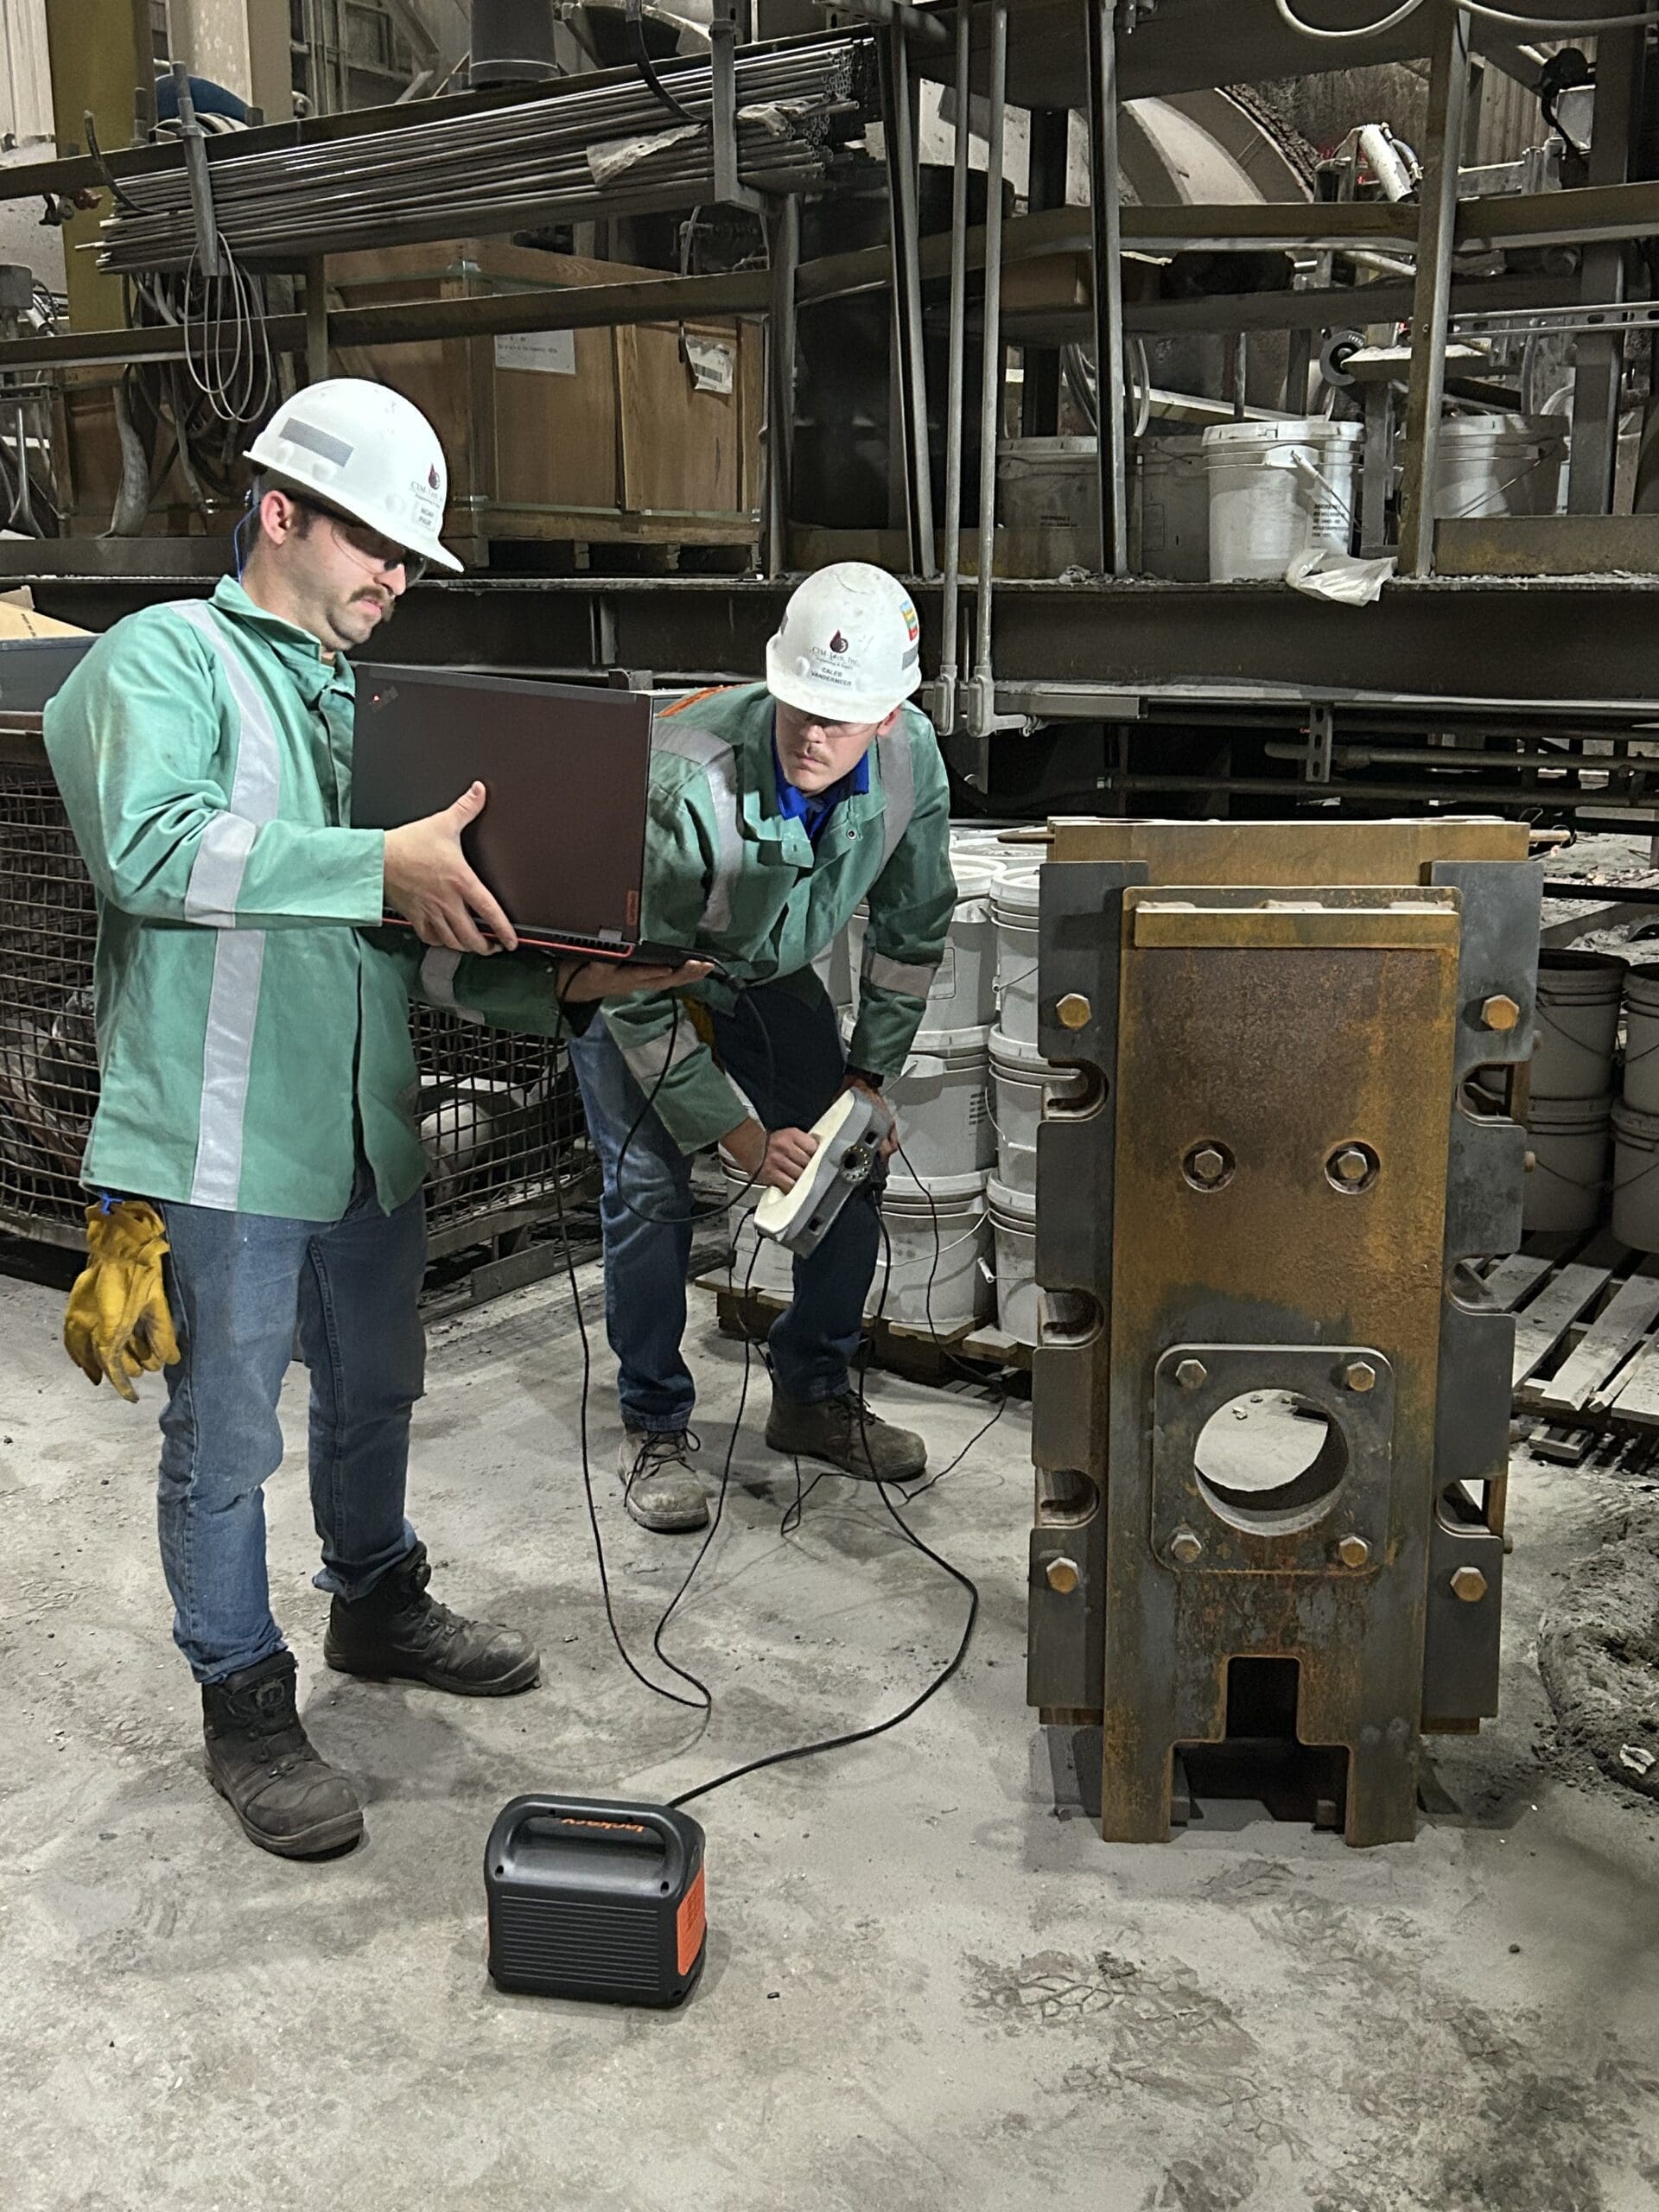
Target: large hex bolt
{"points": [[1500, 1013], [1207, 1167], [1359, 1374], [1353, 1551], [1191, 1374], [1469, 1583], [1185, 1546], [1063, 1576], [1074, 1011], [1351, 1166]]}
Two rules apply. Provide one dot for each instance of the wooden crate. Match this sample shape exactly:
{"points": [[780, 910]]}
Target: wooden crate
{"points": [[589, 436], [1587, 1340], [86, 460]]}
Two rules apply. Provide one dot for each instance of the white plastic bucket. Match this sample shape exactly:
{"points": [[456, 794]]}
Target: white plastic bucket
{"points": [[773, 1269], [942, 1099], [1021, 1082], [929, 1274], [1172, 510], [963, 995], [1642, 1040], [1013, 1225], [1498, 465], [1016, 903], [1635, 1178], [1579, 995], [1049, 489], [1569, 1139], [1278, 489]]}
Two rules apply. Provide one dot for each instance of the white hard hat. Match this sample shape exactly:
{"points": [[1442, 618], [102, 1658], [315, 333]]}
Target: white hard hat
{"points": [[848, 648], [365, 449]]}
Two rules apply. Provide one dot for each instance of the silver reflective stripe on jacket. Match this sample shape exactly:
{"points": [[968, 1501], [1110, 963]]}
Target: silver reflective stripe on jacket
{"points": [[898, 787], [716, 758], [239, 957], [648, 1063], [438, 981], [914, 979]]}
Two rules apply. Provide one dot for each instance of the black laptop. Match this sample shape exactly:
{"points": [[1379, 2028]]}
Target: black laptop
{"points": [[562, 843]]}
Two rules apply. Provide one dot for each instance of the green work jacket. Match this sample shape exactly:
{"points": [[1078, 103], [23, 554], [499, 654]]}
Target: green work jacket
{"points": [[250, 1036], [728, 873]]}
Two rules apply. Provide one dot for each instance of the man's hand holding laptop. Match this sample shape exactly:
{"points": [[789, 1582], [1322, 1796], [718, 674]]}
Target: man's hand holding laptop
{"points": [[430, 883]]}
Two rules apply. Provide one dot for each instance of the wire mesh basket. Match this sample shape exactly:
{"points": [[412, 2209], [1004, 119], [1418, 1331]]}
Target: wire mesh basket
{"points": [[500, 1121]]}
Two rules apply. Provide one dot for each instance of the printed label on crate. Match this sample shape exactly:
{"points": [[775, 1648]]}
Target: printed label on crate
{"points": [[552, 351], [712, 361]]}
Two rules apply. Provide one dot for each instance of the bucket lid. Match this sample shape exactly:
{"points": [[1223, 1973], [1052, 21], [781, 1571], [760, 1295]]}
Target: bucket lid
{"points": [[907, 1195], [1018, 1209], [1569, 978], [1311, 430], [1525, 430], [975, 875], [948, 1044], [1018, 887], [1021, 1060]]}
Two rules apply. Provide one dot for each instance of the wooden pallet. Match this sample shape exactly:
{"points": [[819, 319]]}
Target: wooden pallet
{"points": [[1587, 1341], [949, 1356]]}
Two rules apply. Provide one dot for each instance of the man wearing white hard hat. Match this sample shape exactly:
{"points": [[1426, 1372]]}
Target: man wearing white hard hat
{"points": [[777, 809], [255, 1166]]}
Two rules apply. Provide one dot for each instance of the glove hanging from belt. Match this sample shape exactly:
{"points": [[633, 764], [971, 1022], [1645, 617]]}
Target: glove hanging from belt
{"points": [[117, 1322]]}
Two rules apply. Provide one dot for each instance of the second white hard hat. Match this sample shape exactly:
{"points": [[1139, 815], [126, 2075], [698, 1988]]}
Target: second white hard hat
{"points": [[365, 449], [847, 649]]}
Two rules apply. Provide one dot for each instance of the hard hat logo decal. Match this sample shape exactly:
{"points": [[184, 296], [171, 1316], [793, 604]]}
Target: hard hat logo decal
{"points": [[432, 477], [837, 644], [911, 626]]}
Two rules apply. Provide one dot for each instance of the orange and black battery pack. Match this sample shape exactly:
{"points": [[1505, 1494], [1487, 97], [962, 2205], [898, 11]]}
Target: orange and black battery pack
{"points": [[593, 1899]]}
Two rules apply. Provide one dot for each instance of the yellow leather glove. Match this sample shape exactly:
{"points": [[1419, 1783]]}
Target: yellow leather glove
{"points": [[117, 1322]]}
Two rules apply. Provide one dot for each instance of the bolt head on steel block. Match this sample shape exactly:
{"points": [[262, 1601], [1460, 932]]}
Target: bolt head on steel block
{"points": [[1359, 1374], [1353, 1551], [1185, 1546], [1209, 1165], [1469, 1583], [1062, 1575], [1352, 1167], [1074, 1011], [1191, 1374], [1500, 1011]]}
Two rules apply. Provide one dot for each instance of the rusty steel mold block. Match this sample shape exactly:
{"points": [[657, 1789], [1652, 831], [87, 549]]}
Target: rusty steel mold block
{"points": [[1271, 1191]]}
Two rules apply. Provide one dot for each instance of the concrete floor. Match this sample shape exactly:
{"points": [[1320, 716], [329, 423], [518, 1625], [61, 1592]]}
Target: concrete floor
{"points": [[924, 1988]]}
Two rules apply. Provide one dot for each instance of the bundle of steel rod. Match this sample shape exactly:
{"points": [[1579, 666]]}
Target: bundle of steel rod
{"points": [[604, 145]]}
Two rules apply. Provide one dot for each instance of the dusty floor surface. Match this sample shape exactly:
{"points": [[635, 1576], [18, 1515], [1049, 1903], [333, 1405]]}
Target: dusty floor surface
{"points": [[924, 1988]]}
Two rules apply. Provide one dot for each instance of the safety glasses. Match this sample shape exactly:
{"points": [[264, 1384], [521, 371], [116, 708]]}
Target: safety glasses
{"points": [[377, 553]]}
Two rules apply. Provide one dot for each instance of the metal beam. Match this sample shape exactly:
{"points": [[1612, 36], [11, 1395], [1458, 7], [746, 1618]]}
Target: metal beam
{"points": [[1448, 100], [1599, 374], [1107, 241], [899, 137]]}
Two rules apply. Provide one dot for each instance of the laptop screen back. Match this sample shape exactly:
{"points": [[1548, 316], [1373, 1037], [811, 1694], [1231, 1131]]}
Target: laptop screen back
{"points": [[562, 840]]}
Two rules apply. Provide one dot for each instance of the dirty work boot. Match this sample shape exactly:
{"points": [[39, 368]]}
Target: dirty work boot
{"points": [[261, 1762], [659, 1487], [843, 1430], [396, 1629]]}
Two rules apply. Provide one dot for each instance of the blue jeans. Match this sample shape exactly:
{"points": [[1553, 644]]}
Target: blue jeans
{"points": [[240, 1285], [783, 1047]]}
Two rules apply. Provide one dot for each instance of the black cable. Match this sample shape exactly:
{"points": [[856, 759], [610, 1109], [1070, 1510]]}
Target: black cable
{"points": [[633, 16]]}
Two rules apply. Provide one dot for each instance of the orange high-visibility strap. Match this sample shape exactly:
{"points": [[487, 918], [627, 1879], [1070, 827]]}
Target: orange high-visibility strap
{"points": [[692, 699]]}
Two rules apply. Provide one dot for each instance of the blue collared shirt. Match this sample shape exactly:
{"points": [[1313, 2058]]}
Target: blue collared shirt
{"points": [[813, 809]]}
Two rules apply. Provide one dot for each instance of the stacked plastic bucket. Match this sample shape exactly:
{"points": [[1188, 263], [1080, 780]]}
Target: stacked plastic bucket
{"points": [[1571, 1118], [1636, 1117]]}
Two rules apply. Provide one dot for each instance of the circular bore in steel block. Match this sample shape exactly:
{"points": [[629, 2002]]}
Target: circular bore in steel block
{"points": [[1209, 1166], [1351, 1168], [1271, 1462]]}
